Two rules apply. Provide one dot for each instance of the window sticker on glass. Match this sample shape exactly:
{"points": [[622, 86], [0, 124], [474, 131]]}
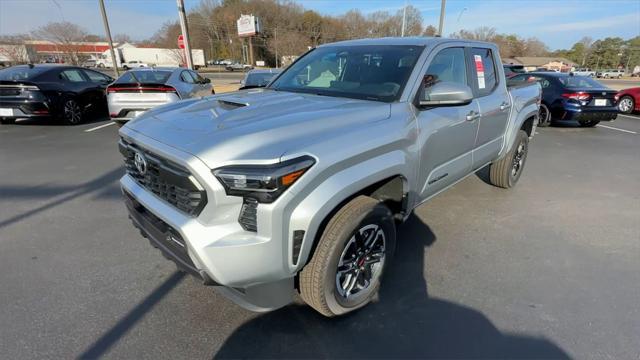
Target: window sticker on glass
{"points": [[479, 71]]}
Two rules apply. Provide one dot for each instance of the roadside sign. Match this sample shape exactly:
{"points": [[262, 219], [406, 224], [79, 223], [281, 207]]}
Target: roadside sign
{"points": [[248, 25], [181, 41]]}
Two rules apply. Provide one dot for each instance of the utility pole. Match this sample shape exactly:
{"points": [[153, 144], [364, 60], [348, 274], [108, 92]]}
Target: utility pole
{"points": [[404, 18], [185, 33], [108, 31], [250, 38], [275, 38], [442, 6]]}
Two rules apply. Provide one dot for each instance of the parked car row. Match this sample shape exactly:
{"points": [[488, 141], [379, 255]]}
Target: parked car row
{"points": [[71, 93], [566, 96]]}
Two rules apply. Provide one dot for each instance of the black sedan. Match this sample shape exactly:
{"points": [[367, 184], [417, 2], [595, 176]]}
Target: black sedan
{"points": [[53, 91], [569, 97]]}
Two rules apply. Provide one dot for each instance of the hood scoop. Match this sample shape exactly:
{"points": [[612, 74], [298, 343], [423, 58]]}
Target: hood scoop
{"points": [[230, 105]]}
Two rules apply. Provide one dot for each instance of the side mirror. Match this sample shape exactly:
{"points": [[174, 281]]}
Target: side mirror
{"points": [[445, 94], [207, 80]]}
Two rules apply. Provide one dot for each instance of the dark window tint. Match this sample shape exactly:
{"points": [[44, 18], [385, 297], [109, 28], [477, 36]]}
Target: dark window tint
{"points": [[484, 70], [16, 73], [144, 77], [95, 76], [72, 75], [544, 83], [186, 77], [196, 77], [448, 65]]}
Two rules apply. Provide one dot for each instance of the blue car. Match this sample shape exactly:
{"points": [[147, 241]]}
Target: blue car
{"points": [[574, 98]]}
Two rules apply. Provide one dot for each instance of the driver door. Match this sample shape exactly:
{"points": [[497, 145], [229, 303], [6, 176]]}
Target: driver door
{"points": [[447, 134]]}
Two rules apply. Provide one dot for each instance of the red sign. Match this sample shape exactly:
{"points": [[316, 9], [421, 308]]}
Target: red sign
{"points": [[181, 41]]}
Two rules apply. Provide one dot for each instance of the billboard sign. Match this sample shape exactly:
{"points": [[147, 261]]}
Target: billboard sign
{"points": [[248, 25]]}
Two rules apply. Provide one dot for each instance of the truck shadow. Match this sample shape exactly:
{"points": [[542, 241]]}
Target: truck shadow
{"points": [[404, 323]]}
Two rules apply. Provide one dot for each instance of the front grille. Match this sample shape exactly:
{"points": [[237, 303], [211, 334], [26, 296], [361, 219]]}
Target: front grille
{"points": [[167, 180]]}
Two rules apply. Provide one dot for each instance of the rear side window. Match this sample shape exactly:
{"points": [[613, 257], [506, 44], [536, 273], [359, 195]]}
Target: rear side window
{"points": [[186, 77], [448, 65], [95, 76], [72, 75], [199, 79], [484, 70], [144, 77]]}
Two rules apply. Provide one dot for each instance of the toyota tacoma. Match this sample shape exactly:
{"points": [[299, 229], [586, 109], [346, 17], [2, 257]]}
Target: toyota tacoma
{"points": [[299, 186]]}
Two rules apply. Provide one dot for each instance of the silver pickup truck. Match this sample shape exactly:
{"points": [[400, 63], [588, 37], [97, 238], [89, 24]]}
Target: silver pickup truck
{"points": [[300, 186]]}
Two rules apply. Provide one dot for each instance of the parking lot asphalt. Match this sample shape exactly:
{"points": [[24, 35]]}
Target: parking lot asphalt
{"points": [[548, 269]]}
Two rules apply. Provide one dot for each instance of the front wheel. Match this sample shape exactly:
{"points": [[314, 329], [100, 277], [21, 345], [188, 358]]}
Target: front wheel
{"points": [[345, 271], [626, 105], [505, 172]]}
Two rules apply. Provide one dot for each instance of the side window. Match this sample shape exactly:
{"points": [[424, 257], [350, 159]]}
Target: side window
{"points": [[544, 83], [485, 71], [448, 65], [72, 75], [186, 77], [196, 77], [95, 76]]}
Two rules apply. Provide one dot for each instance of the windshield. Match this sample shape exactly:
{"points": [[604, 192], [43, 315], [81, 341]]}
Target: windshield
{"points": [[579, 82], [18, 73], [144, 77], [370, 72]]}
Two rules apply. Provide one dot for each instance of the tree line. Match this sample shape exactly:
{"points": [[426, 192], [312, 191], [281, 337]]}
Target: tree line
{"points": [[290, 29]]}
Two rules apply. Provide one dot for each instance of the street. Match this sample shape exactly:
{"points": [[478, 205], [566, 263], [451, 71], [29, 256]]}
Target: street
{"points": [[549, 269]]}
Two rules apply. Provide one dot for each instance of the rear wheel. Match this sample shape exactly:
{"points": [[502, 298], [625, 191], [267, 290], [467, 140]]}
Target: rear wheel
{"points": [[544, 116], [345, 270], [589, 123], [505, 172], [626, 104], [72, 112]]}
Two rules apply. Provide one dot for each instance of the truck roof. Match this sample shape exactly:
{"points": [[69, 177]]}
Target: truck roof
{"points": [[414, 40]]}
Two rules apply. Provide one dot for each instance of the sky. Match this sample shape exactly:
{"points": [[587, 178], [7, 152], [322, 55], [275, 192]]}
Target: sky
{"points": [[558, 23]]}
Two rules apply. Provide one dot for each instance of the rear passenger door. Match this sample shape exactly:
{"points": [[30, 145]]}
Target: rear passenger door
{"points": [[77, 85], [493, 102]]}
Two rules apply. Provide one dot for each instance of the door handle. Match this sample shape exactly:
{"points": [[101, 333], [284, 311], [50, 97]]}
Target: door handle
{"points": [[472, 115], [505, 105]]}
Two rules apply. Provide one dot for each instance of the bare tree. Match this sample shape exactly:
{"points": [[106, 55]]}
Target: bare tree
{"points": [[65, 36], [122, 38], [430, 31]]}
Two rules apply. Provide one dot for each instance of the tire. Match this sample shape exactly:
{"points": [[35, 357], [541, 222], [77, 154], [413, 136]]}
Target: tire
{"points": [[505, 172], [72, 112], [7, 121], [626, 104], [544, 116], [589, 123], [329, 291]]}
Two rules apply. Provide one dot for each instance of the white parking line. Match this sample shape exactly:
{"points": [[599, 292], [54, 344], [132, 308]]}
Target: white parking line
{"points": [[100, 127], [630, 117], [615, 128]]}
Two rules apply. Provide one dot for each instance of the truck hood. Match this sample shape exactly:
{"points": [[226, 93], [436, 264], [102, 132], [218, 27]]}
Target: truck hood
{"points": [[254, 124]]}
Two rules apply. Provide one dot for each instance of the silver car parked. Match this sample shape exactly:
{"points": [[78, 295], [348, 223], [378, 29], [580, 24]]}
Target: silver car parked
{"points": [[139, 90]]}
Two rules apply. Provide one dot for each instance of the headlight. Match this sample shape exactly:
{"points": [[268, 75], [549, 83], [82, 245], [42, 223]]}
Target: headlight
{"points": [[264, 183]]}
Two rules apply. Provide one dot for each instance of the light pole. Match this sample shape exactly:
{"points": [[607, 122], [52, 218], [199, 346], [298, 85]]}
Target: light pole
{"points": [[185, 34], [108, 31], [441, 26], [460, 15]]}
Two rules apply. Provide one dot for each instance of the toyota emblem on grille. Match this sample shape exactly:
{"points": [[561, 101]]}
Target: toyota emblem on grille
{"points": [[140, 162]]}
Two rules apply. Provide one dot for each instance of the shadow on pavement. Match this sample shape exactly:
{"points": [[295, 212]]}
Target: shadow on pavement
{"points": [[90, 118], [105, 184], [106, 341], [403, 323]]}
